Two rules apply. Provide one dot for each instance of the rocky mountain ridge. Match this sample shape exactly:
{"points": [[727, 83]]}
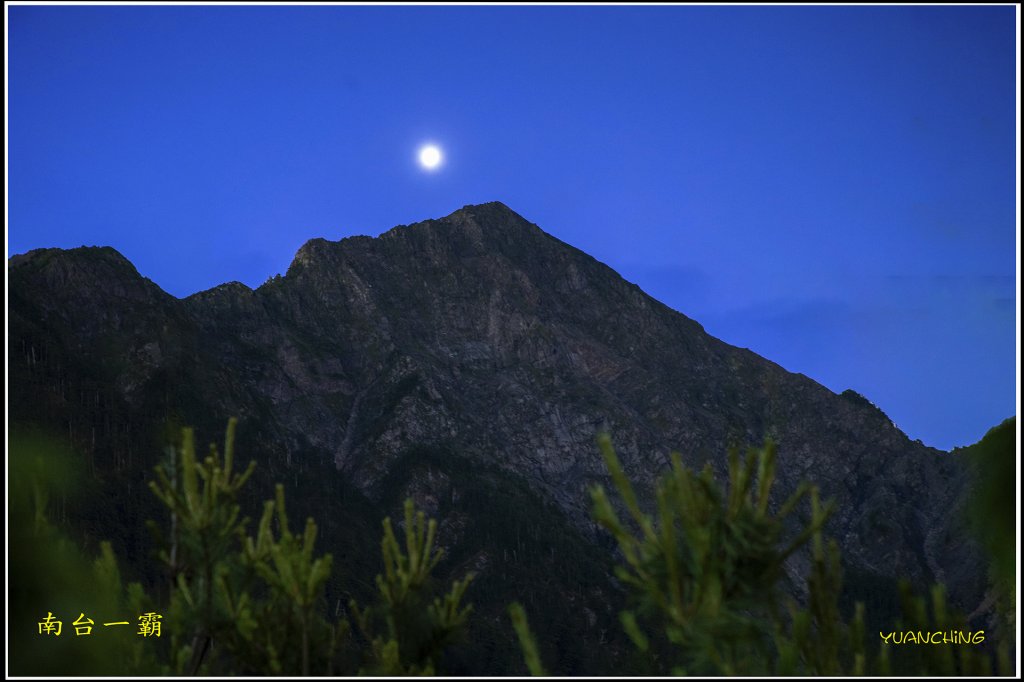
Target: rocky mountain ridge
{"points": [[476, 334]]}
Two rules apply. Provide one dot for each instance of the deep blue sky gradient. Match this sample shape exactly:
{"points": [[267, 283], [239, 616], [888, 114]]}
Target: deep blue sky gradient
{"points": [[832, 187]]}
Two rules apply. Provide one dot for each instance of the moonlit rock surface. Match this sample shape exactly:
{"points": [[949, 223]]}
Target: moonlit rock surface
{"points": [[476, 333]]}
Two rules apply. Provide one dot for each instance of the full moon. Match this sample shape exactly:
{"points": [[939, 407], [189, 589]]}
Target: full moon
{"points": [[430, 156]]}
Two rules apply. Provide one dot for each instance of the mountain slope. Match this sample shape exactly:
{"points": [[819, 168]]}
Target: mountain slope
{"points": [[391, 365]]}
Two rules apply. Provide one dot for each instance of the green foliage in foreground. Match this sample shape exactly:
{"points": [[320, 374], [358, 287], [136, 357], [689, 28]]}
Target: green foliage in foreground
{"points": [[704, 570], [993, 462], [255, 604], [708, 567], [415, 630], [704, 574], [526, 639], [50, 574]]}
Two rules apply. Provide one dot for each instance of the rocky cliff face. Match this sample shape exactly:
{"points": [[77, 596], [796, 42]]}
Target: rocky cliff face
{"points": [[476, 334]]}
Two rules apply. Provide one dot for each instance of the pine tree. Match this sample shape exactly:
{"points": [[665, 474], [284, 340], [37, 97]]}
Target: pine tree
{"points": [[705, 572], [205, 531], [415, 630]]}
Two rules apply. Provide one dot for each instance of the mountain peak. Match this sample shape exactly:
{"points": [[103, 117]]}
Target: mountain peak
{"points": [[489, 209], [492, 216], [85, 269], [386, 363], [474, 229], [95, 254]]}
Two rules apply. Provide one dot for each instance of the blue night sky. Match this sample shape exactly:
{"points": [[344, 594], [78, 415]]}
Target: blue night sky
{"points": [[831, 187]]}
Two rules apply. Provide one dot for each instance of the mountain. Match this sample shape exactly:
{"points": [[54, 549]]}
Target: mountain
{"points": [[468, 361]]}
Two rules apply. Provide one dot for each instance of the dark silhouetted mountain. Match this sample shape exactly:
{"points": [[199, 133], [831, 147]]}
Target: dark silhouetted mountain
{"points": [[468, 361]]}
